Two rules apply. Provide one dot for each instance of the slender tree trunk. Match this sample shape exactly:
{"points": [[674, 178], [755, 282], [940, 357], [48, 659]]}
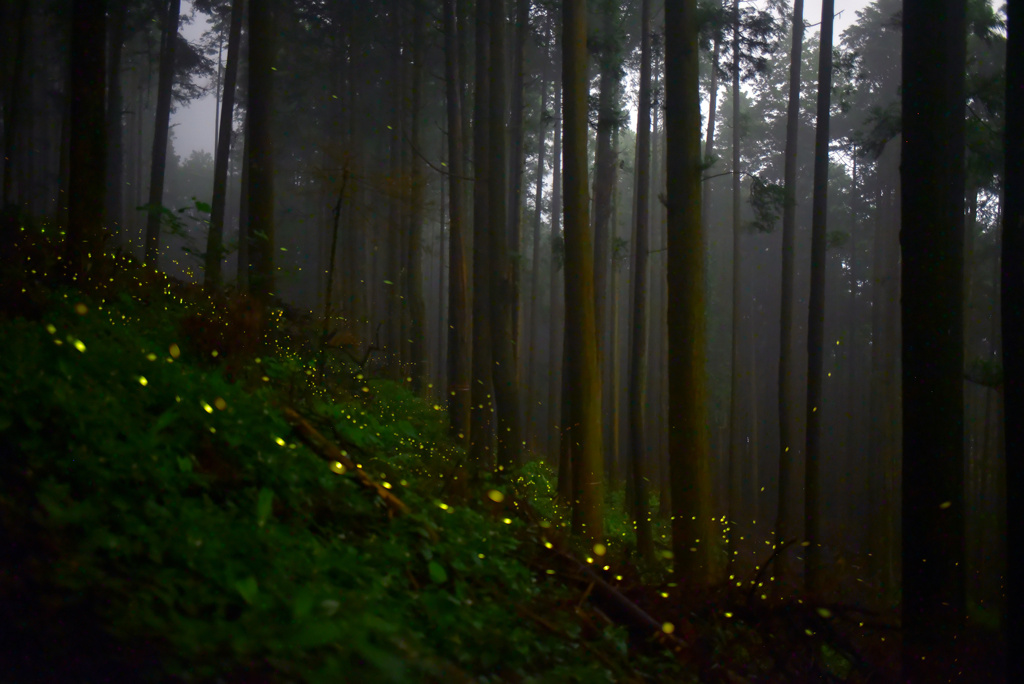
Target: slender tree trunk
{"points": [[813, 523], [689, 457], [460, 347], [482, 413], [556, 364], [244, 262], [638, 313], [12, 106], [502, 271], [88, 154], [604, 183], [932, 177], [517, 155], [168, 45], [532, 387], [581, 354], [218, 93], [1012, 307], [414, 262], [443, 313], [709, 139], [115, 105], [785, 519], [396, 214], [261, 151], [215, 238], [325, 330], [736, 435]]}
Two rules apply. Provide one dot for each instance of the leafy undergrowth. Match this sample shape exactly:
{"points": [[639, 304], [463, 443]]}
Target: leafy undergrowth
{"points": [[161, 522], [161, 519]]}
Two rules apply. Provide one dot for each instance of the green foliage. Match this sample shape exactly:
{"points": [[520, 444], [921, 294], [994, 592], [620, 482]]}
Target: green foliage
{"points": [[180, 508], [767, 200]]}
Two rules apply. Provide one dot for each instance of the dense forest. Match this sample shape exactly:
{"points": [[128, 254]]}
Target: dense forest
{"points": [[512, 340]]}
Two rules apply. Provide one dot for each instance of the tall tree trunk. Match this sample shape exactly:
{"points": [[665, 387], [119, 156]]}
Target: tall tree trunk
{"points": [[261, 150], [517, 155], [414, 261], [885, 369], [709, 139], [482, 412], [581, 355], [88, 154], [215, 238], [115, 105], [396, 209], [689, 456], [1013, 334], [503, 279], [638, 313], [932, 175], [609, 63], [460, 347], [786, 520], [813, 526], [12, 105], [532, 395], [244, 262], [556, 364], [736, 438], [168, 47], [604, 177]]}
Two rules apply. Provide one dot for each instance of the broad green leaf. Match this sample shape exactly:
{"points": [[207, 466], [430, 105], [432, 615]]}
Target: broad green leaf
{"points": [[164, 421], [264, 506], [248, 588], [184, 464], [437, 572], [317, 634], [302, 603]]}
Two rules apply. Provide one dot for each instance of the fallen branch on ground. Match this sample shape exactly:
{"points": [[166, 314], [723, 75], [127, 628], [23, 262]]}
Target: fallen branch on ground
{"points": [[331, 453]]}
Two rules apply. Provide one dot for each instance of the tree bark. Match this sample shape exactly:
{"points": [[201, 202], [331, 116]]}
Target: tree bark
{"points": [[735, 437], [87, 156], [460, 347], [168, 43], [557, 285], [581, 357], [785, 520], [1013, 334], [215, 238], [115, 105], [533, 328], [932, 176], [414, 260], [243, 261], [638, 313], [502, 271], [261, 150], [12, 105], [482, 412], [517, 155], [688, 438], [813, 526]]}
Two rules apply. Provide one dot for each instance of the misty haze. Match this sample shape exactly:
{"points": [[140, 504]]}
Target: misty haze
{"points": [[512, 340]]}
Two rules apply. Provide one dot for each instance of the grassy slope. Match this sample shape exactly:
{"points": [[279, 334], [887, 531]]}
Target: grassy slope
{"points": [[162, 523]]}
